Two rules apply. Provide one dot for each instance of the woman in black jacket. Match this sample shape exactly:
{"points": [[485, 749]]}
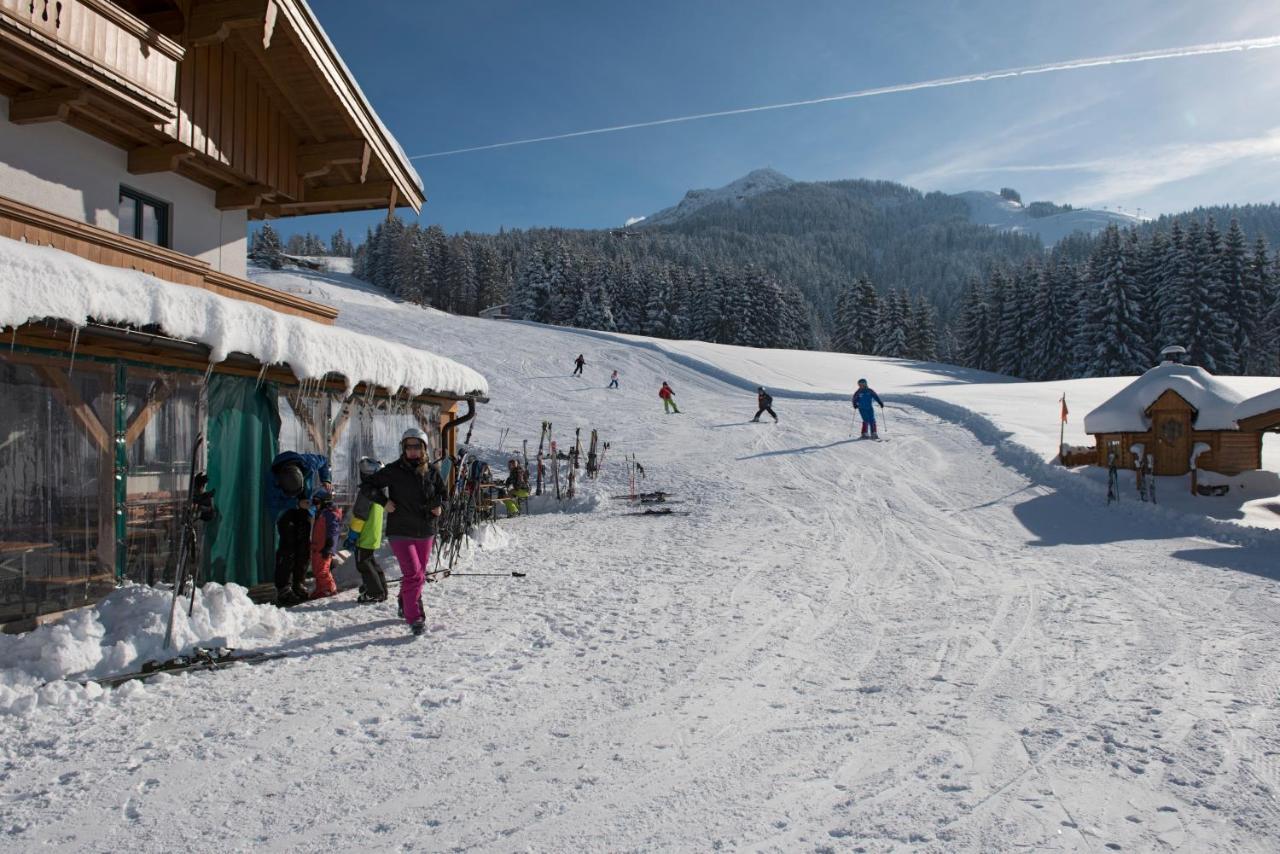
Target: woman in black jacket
{"points": [[414, 499]]}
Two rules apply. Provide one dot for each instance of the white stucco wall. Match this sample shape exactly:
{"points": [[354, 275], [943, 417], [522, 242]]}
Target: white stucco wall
{"points": [[56, 167]]}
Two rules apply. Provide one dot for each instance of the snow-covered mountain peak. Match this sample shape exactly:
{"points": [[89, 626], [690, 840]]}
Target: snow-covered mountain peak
{"points": [[1049, 222], [753, 183]]}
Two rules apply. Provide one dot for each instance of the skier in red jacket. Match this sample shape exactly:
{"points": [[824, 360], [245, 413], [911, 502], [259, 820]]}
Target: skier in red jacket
{"points": [[668, 399]]}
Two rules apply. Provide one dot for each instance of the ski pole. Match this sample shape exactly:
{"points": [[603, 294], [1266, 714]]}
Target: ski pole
{"points": [[512, 574]]}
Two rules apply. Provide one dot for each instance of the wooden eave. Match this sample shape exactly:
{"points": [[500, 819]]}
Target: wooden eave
{"points": [[1263, 422], [345, 159]]}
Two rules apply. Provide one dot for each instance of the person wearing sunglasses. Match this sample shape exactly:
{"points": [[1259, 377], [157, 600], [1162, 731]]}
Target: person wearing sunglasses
{"points": [[413, 495]]}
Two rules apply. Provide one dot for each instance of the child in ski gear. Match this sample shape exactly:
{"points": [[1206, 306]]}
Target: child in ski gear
{"points": [[668, 399], [414, 499], [764, 403], [516, 486], [324, 543], [864, 400], [613, 380], [577, 365], [293, 553], [365, 535]]}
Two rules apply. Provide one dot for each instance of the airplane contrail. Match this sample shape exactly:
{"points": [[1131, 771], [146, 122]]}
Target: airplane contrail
{"points": [[978, 77]]}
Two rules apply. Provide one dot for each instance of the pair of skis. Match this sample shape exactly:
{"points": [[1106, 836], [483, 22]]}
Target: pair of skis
{"points": [[198, 507]]}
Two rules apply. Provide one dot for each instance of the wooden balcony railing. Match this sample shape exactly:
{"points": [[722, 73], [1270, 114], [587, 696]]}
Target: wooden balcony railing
{"points": [[23, 222], [97, 44]]}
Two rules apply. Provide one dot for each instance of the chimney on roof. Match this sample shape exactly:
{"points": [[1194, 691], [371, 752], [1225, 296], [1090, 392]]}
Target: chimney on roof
{"points": [[1174, 354]]}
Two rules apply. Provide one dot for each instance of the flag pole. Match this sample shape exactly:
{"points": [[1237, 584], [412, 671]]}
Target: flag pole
{"points": [[1062, 431]]}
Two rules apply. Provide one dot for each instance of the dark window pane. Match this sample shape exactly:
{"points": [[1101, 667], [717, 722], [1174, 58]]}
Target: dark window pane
{"points": [[150, 223], [128, 216]]}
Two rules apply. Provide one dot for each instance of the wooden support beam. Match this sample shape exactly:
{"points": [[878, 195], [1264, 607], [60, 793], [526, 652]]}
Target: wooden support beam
{"points": [[241, 198], [211, 23], [340, 422], [321, 197], [52, 106], [391, 202], [158, 158], [81, 412], [159, 392], [308, 418], [318, 158]]}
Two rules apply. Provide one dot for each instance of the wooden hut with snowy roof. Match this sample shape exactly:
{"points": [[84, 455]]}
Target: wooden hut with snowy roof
{"points": [[1180, 415], [136, 142]]}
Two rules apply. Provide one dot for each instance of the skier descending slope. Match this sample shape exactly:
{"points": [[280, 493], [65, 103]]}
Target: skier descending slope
{"points": [[764, 403], [414, 501], [668, 399], [864, 400], [578, 364]]}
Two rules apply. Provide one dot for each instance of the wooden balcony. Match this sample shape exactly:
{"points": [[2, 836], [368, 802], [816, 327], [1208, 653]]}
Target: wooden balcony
{"points": [[90, 56], [23, 222]]}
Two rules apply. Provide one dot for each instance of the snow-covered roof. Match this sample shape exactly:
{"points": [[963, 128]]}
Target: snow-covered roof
{"points": [[38, 282], [1265, 402], [1125, 412]]}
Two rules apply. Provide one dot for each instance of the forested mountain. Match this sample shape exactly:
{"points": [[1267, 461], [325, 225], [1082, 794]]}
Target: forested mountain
{"points": [[767, 261]]}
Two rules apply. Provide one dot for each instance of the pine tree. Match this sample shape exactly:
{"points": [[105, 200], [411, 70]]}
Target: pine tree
{"points": [[1011, 344], [865, 323], [1264, 336], [532, 297], [704, 319], [266, 250], [1219, 322], [462, 285], [339, 245], [973, 337], [1239, 297], [922, 338], [657, 312], [1113, 332], [1052, 323], [893, 325]]}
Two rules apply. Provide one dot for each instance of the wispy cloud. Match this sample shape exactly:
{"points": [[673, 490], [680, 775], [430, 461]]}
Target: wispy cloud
{"points": [[1130, 175]]}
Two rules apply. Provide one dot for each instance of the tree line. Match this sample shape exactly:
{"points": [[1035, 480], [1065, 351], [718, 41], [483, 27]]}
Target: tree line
{"points": [[1106, 306]]}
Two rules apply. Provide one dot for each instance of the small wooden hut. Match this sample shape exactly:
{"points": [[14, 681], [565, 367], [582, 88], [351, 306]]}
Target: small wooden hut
{"points": [[1260, 414], [1175, 412]]}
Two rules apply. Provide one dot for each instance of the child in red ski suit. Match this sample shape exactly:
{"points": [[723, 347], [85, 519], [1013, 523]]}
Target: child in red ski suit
{"points": [[325, 534]]}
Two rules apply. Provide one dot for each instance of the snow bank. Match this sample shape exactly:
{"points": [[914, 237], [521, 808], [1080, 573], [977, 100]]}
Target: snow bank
{"points": [[1214, 401], [122, 632], [42, 282]]}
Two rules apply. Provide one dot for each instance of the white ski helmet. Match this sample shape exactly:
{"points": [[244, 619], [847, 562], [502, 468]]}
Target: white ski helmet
{"points": [[367, 466], [415, 433]]}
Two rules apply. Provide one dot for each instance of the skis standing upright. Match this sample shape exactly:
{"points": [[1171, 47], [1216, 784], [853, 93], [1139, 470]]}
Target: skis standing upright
{"points": [[555, 468], [592, 466], [197, 507], [546, 431]]}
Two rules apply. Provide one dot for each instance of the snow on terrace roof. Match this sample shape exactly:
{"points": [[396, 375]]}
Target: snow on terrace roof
{"points": [[1125, 412], [1258, 405], [38, 282]]}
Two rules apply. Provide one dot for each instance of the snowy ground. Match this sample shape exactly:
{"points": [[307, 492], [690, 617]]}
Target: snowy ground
{"points": [[930, 643]]}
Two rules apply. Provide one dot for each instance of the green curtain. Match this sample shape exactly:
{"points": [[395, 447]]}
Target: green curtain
{"points": [[244, 423]]}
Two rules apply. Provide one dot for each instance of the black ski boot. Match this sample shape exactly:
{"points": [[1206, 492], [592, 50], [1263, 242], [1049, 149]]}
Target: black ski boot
{"points": [[418, 627]]}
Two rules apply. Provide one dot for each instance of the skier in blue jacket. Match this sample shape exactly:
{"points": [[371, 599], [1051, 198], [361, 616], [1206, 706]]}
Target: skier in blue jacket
{"points": [[294, 476], [864, 400]]}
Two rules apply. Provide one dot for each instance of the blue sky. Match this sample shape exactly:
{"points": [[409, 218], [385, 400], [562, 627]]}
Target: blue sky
{"points": [[1159, 136]]}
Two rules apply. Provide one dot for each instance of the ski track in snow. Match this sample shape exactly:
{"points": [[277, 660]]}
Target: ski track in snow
{"points": [[846, 646]]}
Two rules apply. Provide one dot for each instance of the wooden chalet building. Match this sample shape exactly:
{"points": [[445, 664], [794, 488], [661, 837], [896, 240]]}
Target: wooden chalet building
{"points": [[137, 139], [1172, 412]]}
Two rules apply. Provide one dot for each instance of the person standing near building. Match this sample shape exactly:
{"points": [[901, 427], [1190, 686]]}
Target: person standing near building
{"points": [[324, 543], [365, 535], [668, 399], [764, 403], [864, 400], [293, 552], [414, 499]]}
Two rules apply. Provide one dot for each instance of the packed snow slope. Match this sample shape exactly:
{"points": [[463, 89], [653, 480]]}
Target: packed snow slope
{"points": [[919, 644]]}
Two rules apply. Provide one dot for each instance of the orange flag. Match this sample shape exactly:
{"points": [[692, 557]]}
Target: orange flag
{"points": [[1064, 409]]}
